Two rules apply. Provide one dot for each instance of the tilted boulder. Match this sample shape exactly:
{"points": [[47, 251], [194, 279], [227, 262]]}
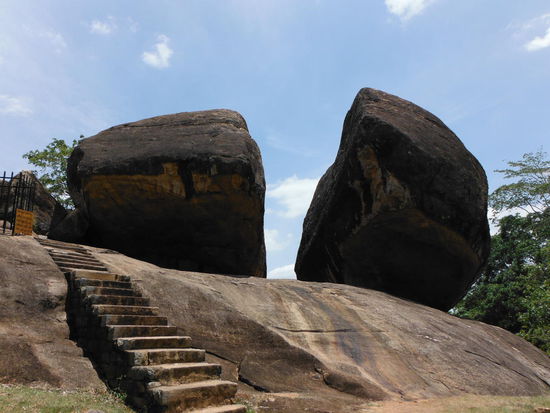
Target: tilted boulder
{"points": [[182, 191], [403, 209]]}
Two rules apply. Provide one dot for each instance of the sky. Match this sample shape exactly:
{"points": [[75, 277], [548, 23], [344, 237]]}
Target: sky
{"points": [[291, 67]]}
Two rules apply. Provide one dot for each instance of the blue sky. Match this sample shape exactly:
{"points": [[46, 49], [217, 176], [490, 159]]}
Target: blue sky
{"points": [[291, 68]]}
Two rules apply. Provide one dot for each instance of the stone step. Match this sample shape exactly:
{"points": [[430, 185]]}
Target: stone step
{"points": [[80, 265], [175, 373], [100, 275], [128, 319], [97, 275], [84, 282], [117, 300], [62, 246], [67, 262], [148, 357], [67, 269], [100, 309], [194, 395], [114, 332], [128, 292], [229, 408], [137, 343], [63, 249], [73, 257]]}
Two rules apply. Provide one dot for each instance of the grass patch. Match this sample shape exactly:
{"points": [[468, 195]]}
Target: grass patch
{"points": [[246, 403], [468, 404], [504, 405], [19, 399]]}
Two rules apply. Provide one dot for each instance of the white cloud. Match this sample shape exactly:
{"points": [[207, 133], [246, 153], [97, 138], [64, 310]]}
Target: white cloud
{"points": [[528, 33], [103, 27], [406, 9], [286, 271], [56, 39], [294, 194], [539, 42], [274, 241], [15, 106], [531, 24], [160, 57]]}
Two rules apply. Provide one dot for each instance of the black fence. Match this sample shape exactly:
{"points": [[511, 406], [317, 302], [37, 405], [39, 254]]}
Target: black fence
{"points": [[16, 192]]}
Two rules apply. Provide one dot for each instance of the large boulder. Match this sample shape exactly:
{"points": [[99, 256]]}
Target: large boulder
{"points": [[45, 206], [183, 191], [403, 209]]}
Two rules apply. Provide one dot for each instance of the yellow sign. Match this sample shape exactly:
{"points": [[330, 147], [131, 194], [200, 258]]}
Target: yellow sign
{"points": [[23, 222]]}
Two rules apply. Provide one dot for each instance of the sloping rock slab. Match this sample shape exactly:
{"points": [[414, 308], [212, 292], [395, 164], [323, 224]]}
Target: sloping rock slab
{"points": [[403, 209], [335, 340], [183, 191], [34, 337]]}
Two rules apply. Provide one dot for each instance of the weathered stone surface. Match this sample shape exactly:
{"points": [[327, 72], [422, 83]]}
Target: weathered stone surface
{"points": [[45, 205], [316, 347], [320, 344], [403, 209], [34, 336], [182, 191]]}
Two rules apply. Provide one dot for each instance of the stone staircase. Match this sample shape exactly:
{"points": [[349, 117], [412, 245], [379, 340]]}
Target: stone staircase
{"points": [[133, 348]]}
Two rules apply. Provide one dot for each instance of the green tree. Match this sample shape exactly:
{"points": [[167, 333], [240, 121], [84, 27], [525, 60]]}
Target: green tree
{"points": [[52, 164], [514, 290], [531, 192]]}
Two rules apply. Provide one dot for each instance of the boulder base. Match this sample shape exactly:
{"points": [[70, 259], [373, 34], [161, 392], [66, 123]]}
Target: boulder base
{"points": [[403, 209], [312, 346], [333, 341]]}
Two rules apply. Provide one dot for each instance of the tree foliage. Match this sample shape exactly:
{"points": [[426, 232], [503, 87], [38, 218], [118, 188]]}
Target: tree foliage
{"points": [[531, 191], [52, 164], [514, 290]]}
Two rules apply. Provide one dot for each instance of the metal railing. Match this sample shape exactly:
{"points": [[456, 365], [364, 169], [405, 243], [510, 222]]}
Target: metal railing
{"points": [[16, 192]]}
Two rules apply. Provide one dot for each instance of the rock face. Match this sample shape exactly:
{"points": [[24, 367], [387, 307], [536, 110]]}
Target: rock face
{"points": [[183, 191], [45, 205], [316, 347], [403, 209], [329, 341], [34, 336]]}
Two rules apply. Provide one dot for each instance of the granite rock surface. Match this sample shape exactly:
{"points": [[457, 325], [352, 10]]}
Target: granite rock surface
{"points": [[182, 191], [403, 208]]}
